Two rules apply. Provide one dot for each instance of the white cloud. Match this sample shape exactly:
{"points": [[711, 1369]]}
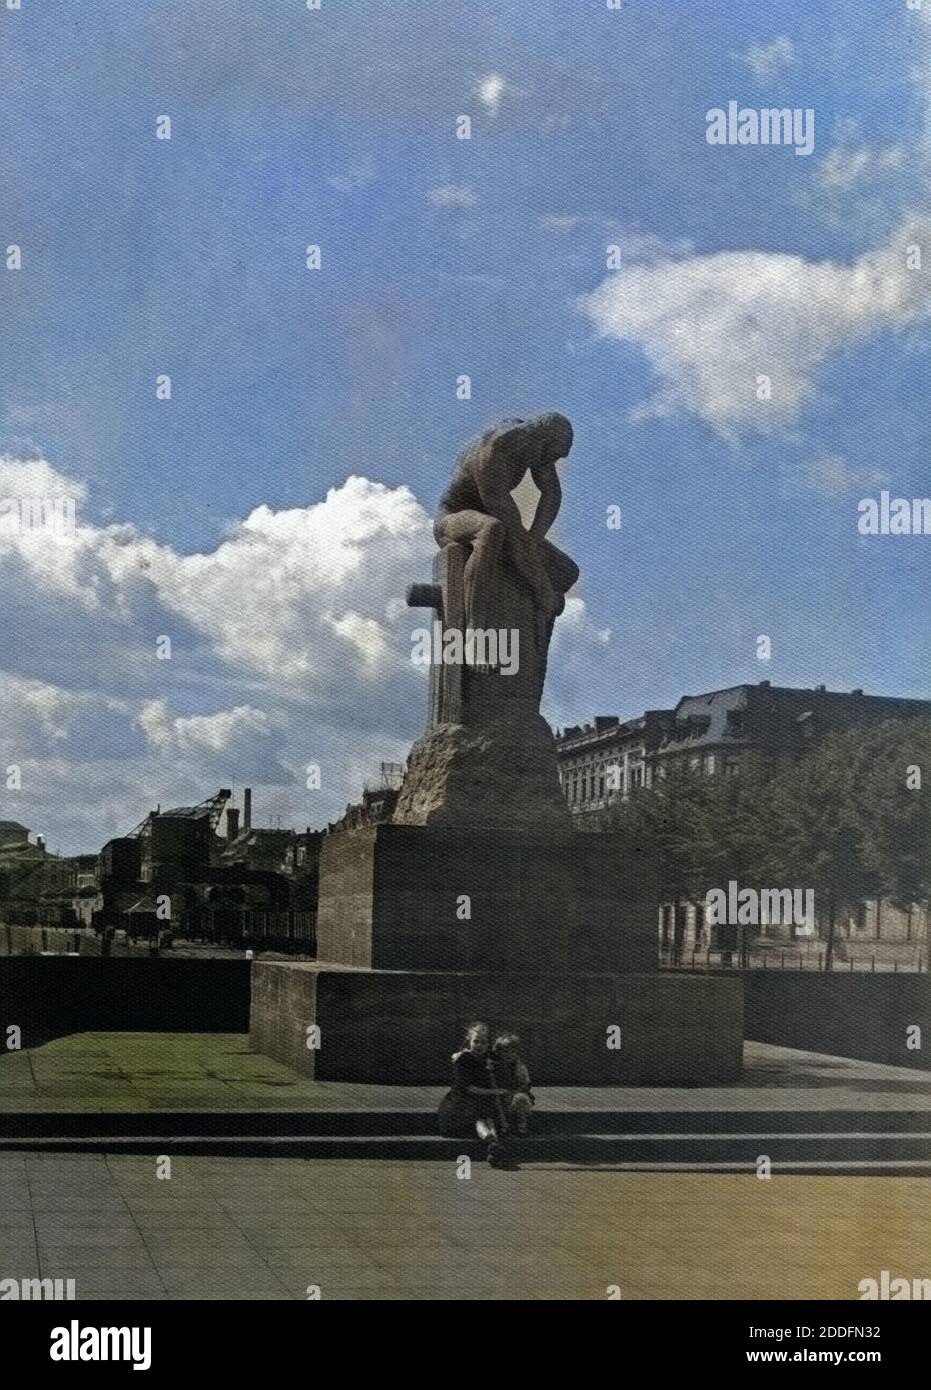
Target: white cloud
{"points": [[213, 733], [710, 325], [767, 60], [852, 159], [34, 710], [290, 645], [834, 476], [274, 597], [489, 90], [452, 195], [36, 478]]}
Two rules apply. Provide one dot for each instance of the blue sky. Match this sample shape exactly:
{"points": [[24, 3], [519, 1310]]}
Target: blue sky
{"points": [[441, 257]]}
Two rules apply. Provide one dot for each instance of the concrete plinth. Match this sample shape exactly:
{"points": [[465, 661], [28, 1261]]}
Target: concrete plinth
{"points": [[400, 1027], [404, 897]]}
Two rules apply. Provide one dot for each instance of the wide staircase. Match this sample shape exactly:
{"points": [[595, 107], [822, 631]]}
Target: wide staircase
{"points": [[808, 1141]]}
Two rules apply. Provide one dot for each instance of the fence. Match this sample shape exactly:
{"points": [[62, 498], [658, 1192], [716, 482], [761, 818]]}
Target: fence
{"points": [[706, 958], [262, 929]]}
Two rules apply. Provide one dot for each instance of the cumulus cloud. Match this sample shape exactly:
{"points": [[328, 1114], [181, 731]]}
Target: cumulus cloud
{"points": [[37, 711], [291, 645], [767, 60], [711, 325], [213, 732], [35, 477], [295, 593], [290, 642]]}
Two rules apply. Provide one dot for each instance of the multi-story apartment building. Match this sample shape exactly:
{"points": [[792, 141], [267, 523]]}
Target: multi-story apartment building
{"points": [[612, 758], [609, 759], [714, 732]]}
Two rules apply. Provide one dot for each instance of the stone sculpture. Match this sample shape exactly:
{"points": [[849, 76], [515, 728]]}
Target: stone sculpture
{"points": [[487, 756]]}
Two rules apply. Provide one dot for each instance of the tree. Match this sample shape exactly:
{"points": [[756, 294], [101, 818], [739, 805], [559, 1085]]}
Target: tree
{"points": [[815, 838], [893, 810], [661, 826]]}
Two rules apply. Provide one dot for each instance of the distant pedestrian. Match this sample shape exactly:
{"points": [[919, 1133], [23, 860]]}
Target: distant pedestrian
{"points": [[473, 1104], [511, 1074]]}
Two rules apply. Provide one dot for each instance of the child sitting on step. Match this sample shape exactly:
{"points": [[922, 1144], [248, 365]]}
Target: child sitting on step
{"points": [[473, 1105], [512, 1076]]}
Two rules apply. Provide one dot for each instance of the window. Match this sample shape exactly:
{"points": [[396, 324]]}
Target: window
{"points": [[731, 767], [709, 764], [636, 777], [601, 785]]}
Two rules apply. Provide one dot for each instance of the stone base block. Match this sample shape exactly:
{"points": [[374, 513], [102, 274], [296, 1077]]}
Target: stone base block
{"points": [[404, 897], [400, 1027]]}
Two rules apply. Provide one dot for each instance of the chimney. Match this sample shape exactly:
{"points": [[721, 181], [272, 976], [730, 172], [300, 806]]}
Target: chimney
{"points": [[40, 842], [232, 822], [247, 809], [821, 689]]}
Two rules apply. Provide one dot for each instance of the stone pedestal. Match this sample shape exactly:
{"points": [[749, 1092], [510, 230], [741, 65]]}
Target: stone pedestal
{"points": [[399, 1028], [480, 900], [399, 897], [559, 943]]}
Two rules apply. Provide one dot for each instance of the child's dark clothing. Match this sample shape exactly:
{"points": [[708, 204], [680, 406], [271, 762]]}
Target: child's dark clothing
{"points": [[512, 1075], [459, 1110]]}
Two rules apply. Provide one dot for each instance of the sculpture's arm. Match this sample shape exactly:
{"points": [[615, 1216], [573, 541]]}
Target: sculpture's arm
{"points": [[547, 480], [491, 480]]}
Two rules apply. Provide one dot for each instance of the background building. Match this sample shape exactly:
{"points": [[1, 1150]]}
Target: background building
{"points": [[612, 758], [713, 733]]}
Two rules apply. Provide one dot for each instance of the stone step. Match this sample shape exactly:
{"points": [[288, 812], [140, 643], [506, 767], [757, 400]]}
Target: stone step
{"points": [[889, 1151], [383, 1123]]}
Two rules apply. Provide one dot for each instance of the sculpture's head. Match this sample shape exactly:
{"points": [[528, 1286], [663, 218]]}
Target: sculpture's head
{"points": [[554, 433]]}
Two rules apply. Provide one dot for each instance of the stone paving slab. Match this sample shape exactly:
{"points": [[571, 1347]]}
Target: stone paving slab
{"points": [[418, 1231]]}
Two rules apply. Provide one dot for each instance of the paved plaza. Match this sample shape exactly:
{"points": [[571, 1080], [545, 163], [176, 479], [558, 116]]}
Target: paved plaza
{"points": [[267, 1228], [246, 1229]]}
